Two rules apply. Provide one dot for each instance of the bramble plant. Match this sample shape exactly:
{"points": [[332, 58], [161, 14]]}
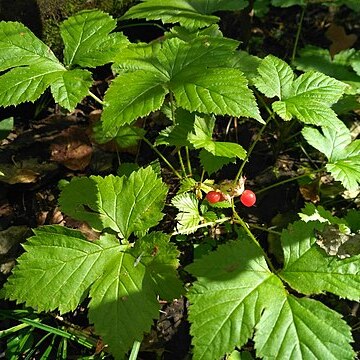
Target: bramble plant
{"points": [[191, 74]]}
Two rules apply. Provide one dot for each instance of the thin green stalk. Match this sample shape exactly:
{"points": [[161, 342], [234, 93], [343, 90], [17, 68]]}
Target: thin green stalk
{"points": [[197, 227], [298, 33], [176, 173], [96, 98], [261, 228], [286, 181], [181, 162], [135, 350], [12, 330], [252, 146], [188, 161], [240, 221]]}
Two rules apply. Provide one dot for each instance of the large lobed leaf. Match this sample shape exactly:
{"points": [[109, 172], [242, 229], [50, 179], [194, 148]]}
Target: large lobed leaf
{"points": [[58, 268], [125, 205], [126, 296], [343, 155], [308, 98], [235, 293], [202, 74], [309, 270]]}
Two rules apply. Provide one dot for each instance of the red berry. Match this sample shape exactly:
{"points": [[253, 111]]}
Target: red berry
{"points": [[248, 198], [213, 197]]}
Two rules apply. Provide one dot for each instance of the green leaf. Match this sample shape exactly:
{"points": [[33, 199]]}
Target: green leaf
{"points": [[177, 135], [202, 139], [141, 93], [88, 41], [189, 216], [126, 296], [219, 91], [302, 328], [234, 288], [125, 205], [19, 47], [71, 87], [6, 125], [34, 68], [212, 163], [343, 155], [189, 13], [309, 270], [288, 3], [58, 267], [341, 67], [307, 98]]}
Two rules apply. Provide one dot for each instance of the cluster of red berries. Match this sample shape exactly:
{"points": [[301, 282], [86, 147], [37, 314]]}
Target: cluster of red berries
{"points": [[247, 198]]}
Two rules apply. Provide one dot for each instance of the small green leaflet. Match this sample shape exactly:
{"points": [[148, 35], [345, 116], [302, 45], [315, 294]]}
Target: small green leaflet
{"points": [[126, 296], [308, 98], [309, 270], [88, 41], [343, 155], [199, 73], [58, 267], [202, 139], [189, 13], [189, 216], [125, 205], [6, 125], [236, 294], [212, 163]]}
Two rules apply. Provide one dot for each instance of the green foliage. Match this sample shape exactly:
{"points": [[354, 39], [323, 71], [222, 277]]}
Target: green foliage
{"points": [[307, 98], [235, 294], [34, 68], [189, 13]]}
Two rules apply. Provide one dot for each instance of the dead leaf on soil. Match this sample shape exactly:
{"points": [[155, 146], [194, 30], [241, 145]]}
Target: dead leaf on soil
{"points": [[340, 40], [72, 149]]}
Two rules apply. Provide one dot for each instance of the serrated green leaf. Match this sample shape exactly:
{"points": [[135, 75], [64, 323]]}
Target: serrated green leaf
{"points": [[212, 163], [88, 41], [71, 87], [307, 98], [126, 296], [202, 139], [343, 155], [177, 135], [234, 288], [141, 93], [216, 91], [309, 270], [34, 69], [58, 268], [340, 67], [125, 205], [318, 213], [189, 216], [189, 13], [19, 46], [302, 328]]}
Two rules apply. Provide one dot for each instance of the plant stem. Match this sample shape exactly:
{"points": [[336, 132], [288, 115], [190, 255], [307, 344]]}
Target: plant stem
{"points": [[195, 228], [135, 350], [298, 33], [287, 180], [252, 146], [176, 173], [188, 160], [240, 221], [181, 163], [261, 228], [96, 98]]}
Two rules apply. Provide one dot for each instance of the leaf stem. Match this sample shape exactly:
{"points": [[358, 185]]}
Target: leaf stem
{"points": [[176, 173], [188, 160], [261, 228], [287, 180], [237, 219], [135, 350], [298, 34], [181, 162], [96, 98]]}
